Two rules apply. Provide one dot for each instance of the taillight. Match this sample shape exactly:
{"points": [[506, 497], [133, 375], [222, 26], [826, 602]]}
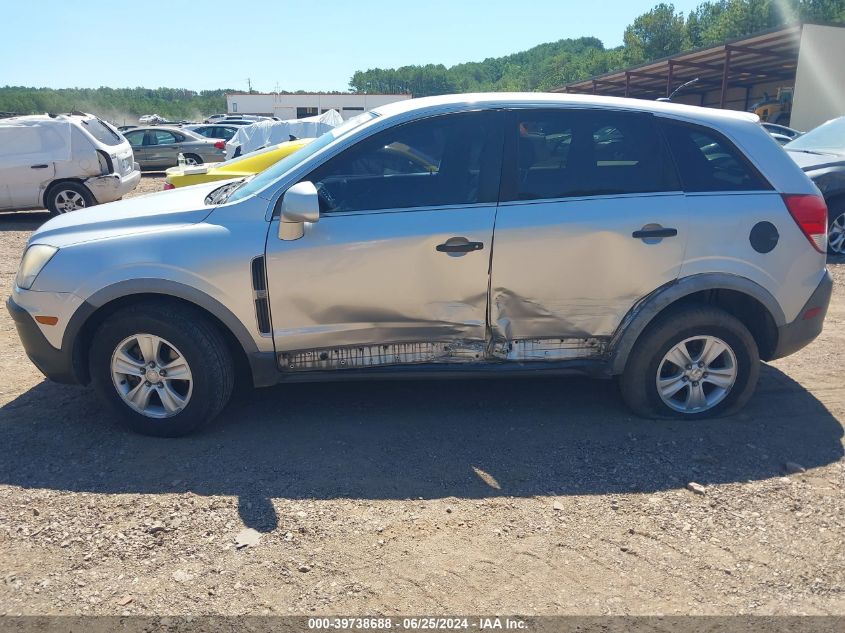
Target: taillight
{"points": [[810, 214], [106, 165], [168, 186], [220, 145]]}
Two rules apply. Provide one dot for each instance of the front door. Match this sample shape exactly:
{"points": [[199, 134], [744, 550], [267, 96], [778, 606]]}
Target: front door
{"points": [[161, 148], [136, 140], [396, 270], [28, 155], [591, 220]]}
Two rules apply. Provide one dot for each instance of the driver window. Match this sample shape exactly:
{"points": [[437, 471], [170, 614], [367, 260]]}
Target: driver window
{"points": [[438, 161]]}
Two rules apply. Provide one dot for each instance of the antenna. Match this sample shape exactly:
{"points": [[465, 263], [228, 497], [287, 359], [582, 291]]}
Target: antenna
{"points": [[679, 88]]}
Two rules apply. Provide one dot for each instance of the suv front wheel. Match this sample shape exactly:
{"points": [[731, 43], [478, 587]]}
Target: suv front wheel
{"points": [[164, 368], [695, 362]]}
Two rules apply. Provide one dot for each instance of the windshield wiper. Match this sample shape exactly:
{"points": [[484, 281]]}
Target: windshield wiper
{"points": [[810, 151]]}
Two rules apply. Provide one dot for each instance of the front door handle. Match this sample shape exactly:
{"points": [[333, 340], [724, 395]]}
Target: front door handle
{"points": [[459, 245], [39, 166], [654, 231]]}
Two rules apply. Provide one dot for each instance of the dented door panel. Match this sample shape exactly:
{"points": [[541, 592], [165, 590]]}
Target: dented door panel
{"points": [[570, 269], [377, 278]]}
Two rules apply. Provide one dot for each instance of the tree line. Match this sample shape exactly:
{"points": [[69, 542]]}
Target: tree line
{"points": [[660, 32], [116, 104]]}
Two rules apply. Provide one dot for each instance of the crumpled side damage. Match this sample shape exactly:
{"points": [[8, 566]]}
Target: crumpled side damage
{"points": [[514, 317], [361, 356]]}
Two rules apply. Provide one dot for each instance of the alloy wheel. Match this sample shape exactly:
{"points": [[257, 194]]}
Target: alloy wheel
{"points": [[696, 374], [836, 235], [69, 200], [151, 376]]}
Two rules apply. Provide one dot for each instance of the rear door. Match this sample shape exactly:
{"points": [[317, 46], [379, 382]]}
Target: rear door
{"points": [[396, 270], [591, 219]]}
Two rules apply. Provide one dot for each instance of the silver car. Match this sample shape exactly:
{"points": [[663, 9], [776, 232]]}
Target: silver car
{"points": [[158, 147], [671, 246]]}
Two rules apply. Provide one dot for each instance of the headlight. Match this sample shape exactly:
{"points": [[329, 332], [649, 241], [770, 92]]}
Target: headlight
{"points": [[34, 260]]}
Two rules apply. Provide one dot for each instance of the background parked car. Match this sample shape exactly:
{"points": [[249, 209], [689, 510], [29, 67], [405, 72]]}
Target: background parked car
{"points": [[237, 122], [241, 167], [219, 130], [64, 162], [149, 119], [159, 147], [781, 133], [821, 154]]}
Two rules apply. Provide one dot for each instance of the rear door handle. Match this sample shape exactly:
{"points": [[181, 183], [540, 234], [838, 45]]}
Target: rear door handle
{"points": [[657, 232], [39, 166], [459, 245]]}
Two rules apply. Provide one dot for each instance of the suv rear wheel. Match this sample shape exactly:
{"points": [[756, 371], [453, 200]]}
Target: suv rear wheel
{"points": [[695, 362], [164, 368], [68, 196]]}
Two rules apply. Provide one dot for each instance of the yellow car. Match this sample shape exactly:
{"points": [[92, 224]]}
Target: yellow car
{"points": [[246, 165]]}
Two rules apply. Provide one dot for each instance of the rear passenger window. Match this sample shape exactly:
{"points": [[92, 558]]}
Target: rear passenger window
{"points": [[707, 161], [567, 153]]}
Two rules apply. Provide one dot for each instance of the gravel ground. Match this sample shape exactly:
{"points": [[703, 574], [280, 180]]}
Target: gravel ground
{"points": [[517, 496]]}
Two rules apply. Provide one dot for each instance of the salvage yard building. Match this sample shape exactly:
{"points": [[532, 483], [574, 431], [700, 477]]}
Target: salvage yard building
{"points": [[795, 75], [300, 105]]}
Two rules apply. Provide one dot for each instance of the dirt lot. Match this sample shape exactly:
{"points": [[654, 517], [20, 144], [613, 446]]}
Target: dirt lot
{"points": [[529, 496]]}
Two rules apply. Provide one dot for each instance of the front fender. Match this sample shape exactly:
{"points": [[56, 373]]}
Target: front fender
{"points": [[166, 288]]}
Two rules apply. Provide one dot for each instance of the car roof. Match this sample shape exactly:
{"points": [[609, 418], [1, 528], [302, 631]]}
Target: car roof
{"points": [[166, 128], [551, 99]]}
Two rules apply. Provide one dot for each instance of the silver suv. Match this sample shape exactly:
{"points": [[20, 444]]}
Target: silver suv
{"points": [[671, 246]]}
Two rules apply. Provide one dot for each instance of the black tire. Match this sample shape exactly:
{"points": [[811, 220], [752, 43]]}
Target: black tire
{"points": [[197, 159], [638, 383], [57, 194], [199, 341], [836, 212]]}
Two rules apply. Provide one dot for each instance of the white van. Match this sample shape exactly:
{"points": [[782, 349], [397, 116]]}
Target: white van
{"points": [[63, 162]]}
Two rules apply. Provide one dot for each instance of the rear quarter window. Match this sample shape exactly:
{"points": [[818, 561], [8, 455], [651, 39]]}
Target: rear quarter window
{"points": [[102, 132], [708, 161]]}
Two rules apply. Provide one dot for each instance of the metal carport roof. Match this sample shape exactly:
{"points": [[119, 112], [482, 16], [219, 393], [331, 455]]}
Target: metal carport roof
{"points": [[762, 57]]}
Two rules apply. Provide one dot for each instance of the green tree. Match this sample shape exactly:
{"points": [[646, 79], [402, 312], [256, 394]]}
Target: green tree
{"points": [[658, 33]]}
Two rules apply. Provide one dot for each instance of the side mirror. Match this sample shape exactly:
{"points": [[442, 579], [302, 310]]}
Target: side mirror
{"points": [[300, 204]]}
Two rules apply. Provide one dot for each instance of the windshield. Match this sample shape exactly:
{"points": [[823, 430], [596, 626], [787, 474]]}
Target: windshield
{"points": [[274, 172], [828, 137]]}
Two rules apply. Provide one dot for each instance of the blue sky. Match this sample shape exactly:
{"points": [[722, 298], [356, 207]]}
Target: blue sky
{"points": [[285, 45]]}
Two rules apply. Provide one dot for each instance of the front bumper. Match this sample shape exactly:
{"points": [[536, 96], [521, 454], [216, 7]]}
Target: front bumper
{"points": [[808, 324], [113, 186], [55, 364]]}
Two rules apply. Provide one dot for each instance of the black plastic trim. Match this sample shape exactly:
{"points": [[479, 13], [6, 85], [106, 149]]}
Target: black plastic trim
{"points": [[55, 364], [802, 331]]}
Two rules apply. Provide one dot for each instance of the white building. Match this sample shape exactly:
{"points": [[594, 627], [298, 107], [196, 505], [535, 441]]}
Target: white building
{"points": [[298, 106]]}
